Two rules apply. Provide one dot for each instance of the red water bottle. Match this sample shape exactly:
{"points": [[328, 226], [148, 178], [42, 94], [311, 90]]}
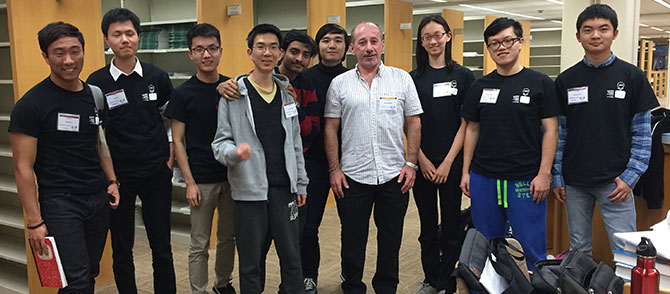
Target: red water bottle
{"points": [[644, 277]]}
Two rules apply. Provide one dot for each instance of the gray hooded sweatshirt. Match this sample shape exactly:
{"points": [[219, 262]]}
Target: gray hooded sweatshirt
{"points": [[248, 180]]}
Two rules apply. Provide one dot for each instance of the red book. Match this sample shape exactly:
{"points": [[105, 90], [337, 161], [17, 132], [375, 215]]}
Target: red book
{"points": [[49, 266]]}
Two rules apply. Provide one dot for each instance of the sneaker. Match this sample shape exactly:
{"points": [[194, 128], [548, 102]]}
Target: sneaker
{"points": [[227, 289], [310, 286], [427, 289]]}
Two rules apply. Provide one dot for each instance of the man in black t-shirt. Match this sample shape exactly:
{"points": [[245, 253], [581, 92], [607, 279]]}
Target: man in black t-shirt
{"points": [[510, 142], [604, 132], [134, 93], [192, 109], [54, 130]]}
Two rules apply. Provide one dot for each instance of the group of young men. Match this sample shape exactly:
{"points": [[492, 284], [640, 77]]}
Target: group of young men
{"points": [[285, 132]]}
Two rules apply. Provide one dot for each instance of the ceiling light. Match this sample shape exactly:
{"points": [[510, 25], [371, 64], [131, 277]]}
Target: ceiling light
{"points": [[545, 29], [556, 1], [656, 29], [500, 11], [441, 1], [666, 4], [556, 21], [644, 37], [644, 25]]}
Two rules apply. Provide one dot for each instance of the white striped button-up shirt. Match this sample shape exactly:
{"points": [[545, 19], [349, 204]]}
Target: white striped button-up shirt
{"points": [[372, 119]]}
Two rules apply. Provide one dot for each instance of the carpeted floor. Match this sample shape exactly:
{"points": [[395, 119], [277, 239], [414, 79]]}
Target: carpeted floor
{"points": [[411, 273]]}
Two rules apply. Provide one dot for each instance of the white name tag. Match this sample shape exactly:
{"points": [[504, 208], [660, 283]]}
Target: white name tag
{"points": [[68, 122], [524, 99], [388, 103], [578, 95], [619, 94], [489, 96], [116, 99], [444, 89], [153, 96], [290, 110]]}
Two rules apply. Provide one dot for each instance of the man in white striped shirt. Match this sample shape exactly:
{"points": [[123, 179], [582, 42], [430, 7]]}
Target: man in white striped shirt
{"points": [[374, 104]]}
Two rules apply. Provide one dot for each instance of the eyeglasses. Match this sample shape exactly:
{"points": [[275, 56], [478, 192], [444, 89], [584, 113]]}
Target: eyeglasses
{"points": [[436, 37], [211, 50], [506, 42], [262, 48]]}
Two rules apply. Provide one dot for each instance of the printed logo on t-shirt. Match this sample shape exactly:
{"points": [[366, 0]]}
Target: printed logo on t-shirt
{"points": [[152, 95], [524, 98]]}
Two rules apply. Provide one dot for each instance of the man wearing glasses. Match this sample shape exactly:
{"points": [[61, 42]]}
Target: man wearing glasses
{"points": [[258, 139], [192, 109], [510, 141]]}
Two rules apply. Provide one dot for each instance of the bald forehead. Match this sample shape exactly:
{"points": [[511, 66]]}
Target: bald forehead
{"points": [[365, 26]]}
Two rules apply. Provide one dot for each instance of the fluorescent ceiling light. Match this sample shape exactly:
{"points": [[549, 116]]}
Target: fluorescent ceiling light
{"points": [[556, 21], [545, 29], [656, 29], [667, 32], [666, 4], [556, 1], [441, 1], [363, 3], [500, 11], [644, 25], [644, 37]]}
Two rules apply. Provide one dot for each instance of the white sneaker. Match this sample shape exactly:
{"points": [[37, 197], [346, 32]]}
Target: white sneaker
{"points": [[310, 286], [427, 289]]}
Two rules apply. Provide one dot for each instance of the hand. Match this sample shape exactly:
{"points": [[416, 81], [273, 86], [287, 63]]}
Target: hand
{"points": [[193, 195], [114, 196], [244, 151], [442, 172], [540, 186], [229, 90], [559, 193], [465, 183], [36, 238], [301, 199], [622, 191], [407, 174], [427, 168], [291, 91], [337, 181], [170, 163]]}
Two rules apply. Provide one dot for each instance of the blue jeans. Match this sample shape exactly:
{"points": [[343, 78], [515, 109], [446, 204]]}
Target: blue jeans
{"points": [[492, 210], [78, 223], [579, 203]]}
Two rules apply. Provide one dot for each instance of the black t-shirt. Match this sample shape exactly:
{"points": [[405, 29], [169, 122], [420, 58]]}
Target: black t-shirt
{"points": [[195, 104], [135, 132], [321, 76], [441, 93], [63, 122], [598, 143], [510, 135]]}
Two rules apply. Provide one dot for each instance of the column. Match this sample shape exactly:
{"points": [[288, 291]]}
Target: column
{"points": [[398, 34]]}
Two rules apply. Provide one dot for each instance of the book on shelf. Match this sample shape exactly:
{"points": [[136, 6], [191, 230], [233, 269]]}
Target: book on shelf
{"points": [[629, 258], [625, 270], [49, 266]]}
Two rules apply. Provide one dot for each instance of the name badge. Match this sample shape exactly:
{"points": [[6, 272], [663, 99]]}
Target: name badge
{"points": [[116, 99], [619, 94], [290, 110], [444, 89], [68, 122], [578, 95], [153, 96], [524, 99], [388, 103], [489, 96]]}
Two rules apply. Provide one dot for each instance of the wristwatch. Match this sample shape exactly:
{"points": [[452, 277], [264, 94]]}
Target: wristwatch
{"points": [[412, 165]]}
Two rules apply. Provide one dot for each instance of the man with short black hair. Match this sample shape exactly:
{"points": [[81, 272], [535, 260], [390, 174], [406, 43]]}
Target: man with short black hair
{"points": [[332, 41], [54, 130], [192, 109], [258, 139], [374, 104], [134, 93], [604, 132], [510, 141]]}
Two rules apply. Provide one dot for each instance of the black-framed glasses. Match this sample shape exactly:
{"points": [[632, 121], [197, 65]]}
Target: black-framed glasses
{"points": [[211, 50], [436, 37], [506, 42]]}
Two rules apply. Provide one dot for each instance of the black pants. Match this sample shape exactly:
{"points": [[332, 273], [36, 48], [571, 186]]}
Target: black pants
{"points": [[439, 250], [311, 215], [390, 206], [257, 223], [79, 225], [156, 195]]}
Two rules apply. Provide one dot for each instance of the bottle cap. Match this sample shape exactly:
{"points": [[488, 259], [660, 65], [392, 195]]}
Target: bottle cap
{"points": [[646, 248]]}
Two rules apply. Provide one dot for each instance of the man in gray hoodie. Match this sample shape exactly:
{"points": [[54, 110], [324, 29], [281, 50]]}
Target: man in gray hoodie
{"points": [[258, 139]]}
